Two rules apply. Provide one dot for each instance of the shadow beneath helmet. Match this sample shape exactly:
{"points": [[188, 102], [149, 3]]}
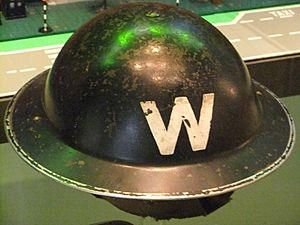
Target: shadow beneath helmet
{"points": [[167, 209]]}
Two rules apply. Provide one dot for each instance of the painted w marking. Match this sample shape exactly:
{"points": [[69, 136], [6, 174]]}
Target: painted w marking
{"points": [[182, 112]]}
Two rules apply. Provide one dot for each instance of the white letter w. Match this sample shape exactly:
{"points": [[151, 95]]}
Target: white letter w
{"points": [[198, 132]]}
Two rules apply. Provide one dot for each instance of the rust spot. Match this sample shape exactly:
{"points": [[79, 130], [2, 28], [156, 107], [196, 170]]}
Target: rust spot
{"points": [[152, 14], [258, 93], [37, 136], [149, 111], [36, 119], [71, 163], [187, 122], [81, 163]]}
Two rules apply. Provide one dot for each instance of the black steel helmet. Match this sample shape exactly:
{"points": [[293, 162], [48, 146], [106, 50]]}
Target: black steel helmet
{"points": [[149, 101]]}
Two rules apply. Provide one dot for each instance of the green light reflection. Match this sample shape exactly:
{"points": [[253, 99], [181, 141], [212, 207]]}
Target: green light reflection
{"points": [[184, 37], [125, 38], [109, 59], [156, 30]]}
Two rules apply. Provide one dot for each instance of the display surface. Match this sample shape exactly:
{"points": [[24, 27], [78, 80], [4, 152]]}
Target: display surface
{"points": [[28, 197]]}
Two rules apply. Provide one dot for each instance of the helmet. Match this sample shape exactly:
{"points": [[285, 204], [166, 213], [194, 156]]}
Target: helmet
{"points": [[149, 101]]}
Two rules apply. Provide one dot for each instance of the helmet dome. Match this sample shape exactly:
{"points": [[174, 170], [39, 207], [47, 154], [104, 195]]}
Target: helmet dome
{"points": [[141, 81]]}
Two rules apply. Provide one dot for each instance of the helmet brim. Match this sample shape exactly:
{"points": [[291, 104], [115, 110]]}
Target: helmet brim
{"points": [[40, 145]]}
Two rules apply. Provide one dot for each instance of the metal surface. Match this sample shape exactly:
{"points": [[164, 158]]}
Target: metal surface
{"points": [[154, 53], [84, 124]]}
